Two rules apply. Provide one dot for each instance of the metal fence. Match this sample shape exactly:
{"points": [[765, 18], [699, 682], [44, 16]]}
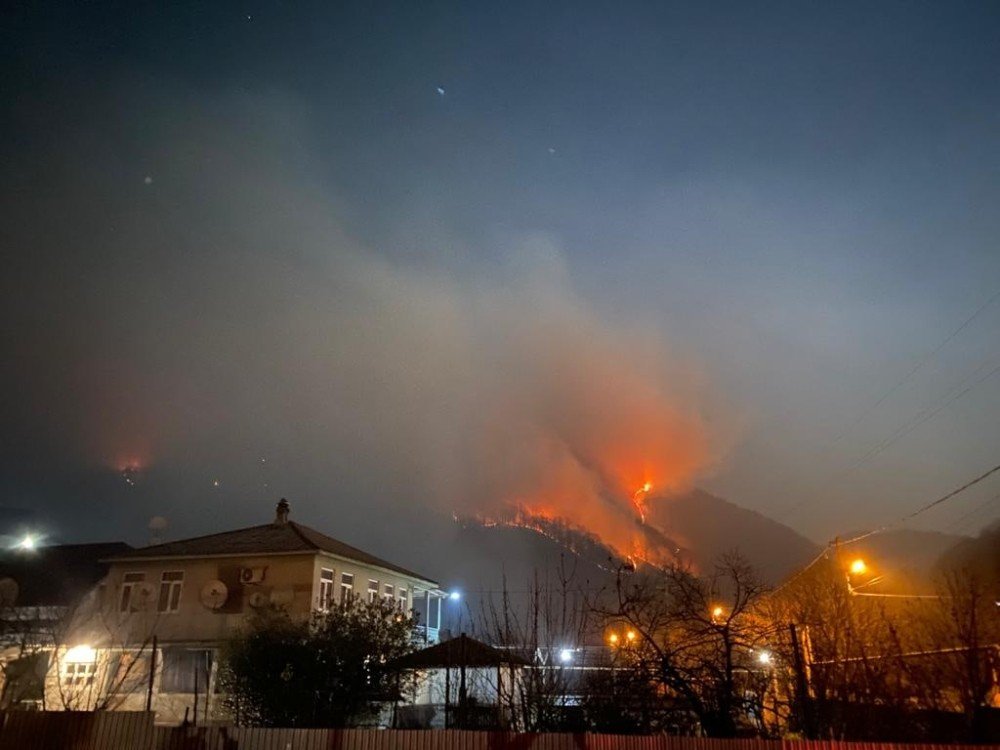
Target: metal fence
{"points": [[215, 738], [122, 730], [76, 730]]}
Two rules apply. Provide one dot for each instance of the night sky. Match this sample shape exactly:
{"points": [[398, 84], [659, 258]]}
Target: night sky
{"points": [[384, 258]]}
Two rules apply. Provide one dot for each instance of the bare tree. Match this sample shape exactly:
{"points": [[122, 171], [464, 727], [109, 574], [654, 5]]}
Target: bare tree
{"points": [[550, 619], [100, 656], [965, 645], [696, 636]]}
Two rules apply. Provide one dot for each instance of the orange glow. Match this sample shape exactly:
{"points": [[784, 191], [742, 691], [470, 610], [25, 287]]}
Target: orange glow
{"points": [[859, 567], [639, 500], [618, 432], [717, 613], [613, 639], [630, 635]]}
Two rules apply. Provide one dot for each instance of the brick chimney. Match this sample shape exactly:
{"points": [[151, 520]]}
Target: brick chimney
{"points": [[281, 512]]}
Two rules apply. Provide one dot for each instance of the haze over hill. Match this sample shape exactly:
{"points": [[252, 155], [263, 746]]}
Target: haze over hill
{"points": [[472, 556], [708, 526]]}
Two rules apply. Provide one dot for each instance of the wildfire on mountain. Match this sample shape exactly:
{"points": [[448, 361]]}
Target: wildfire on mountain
{"points": [[648, 545]]}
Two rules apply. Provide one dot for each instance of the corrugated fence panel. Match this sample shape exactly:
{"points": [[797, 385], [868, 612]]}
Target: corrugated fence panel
{"points": [[76, 730], [121, 730]]}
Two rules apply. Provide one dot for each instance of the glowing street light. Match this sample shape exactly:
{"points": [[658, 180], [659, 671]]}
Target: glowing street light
{"points": [[858, 567], [455, 595], [28, 543], [566, 655], [765, 658], [717, 613], [630, 635], [613, 639]]}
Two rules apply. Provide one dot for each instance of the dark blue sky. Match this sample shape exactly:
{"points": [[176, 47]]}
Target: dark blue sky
{"points": [[797, 202]]}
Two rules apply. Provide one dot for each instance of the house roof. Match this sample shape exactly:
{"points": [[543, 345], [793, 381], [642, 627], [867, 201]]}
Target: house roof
{"points": [[457, 652], [270, 538], [57, 575]]}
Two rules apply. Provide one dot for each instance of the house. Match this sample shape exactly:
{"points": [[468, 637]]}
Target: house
{"points": [[40, 589], [164, 611]]}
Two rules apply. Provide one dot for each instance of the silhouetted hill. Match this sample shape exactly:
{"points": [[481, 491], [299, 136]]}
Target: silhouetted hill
{"points": [[708, 526], [465, 554], [980, 554]]}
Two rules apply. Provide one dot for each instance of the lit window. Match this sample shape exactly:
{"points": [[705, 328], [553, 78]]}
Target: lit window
{"points": [[78, 673], [170, 591], [129, 599], [325, 588], [372, 590], [389, 593], [404, 599], [346, 587]]}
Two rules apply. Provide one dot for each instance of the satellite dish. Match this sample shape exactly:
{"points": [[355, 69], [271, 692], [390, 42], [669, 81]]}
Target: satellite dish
{"points": [[258, 599], [214, 594], [8, 592]]}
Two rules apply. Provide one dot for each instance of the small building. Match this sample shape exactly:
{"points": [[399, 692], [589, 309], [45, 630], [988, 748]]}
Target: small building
{"points": [[40, 590], [162, 612], [464, 684]]}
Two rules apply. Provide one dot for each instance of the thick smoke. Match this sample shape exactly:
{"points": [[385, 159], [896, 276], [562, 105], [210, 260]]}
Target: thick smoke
{"points": [[217, 322]]}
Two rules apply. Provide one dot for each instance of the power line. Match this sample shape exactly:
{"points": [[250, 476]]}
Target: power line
{"points": [[885, 527], [959, 524], [916, 368], [924, 508], [924, 415]]}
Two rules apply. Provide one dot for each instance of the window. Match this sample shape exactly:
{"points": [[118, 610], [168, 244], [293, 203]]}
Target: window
{"points": [[404, 599], [346, 587], [372, 590], [130, 595], [183, 668], [388, 593], [78, 673], [170, 591], [325, 588]]}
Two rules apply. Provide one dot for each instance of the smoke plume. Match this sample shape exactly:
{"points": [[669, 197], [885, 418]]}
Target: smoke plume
{"points": [[218, 323]]}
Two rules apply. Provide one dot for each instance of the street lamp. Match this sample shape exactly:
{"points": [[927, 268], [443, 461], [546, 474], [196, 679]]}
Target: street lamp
{"points": [[858, 567], [28, 543], [455, 596], [566, 655]]}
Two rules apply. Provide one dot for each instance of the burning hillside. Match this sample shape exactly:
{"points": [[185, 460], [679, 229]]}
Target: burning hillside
{"points": [[652, 546]]}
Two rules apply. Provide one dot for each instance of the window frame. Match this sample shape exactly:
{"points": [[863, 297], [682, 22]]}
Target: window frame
{"points": [[325, 599], [76, 674], [125, 603], [373, 590], [174, 675], [173, 587], [388, 592], [346, 589]]}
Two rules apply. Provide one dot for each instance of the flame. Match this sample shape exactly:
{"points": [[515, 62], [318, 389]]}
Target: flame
{"points": [[595, 423], [639, 500], [646, 546]]}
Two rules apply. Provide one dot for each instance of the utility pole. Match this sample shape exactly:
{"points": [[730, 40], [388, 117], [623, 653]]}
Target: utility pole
{"points": [[801, 684], [152, 675]]}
